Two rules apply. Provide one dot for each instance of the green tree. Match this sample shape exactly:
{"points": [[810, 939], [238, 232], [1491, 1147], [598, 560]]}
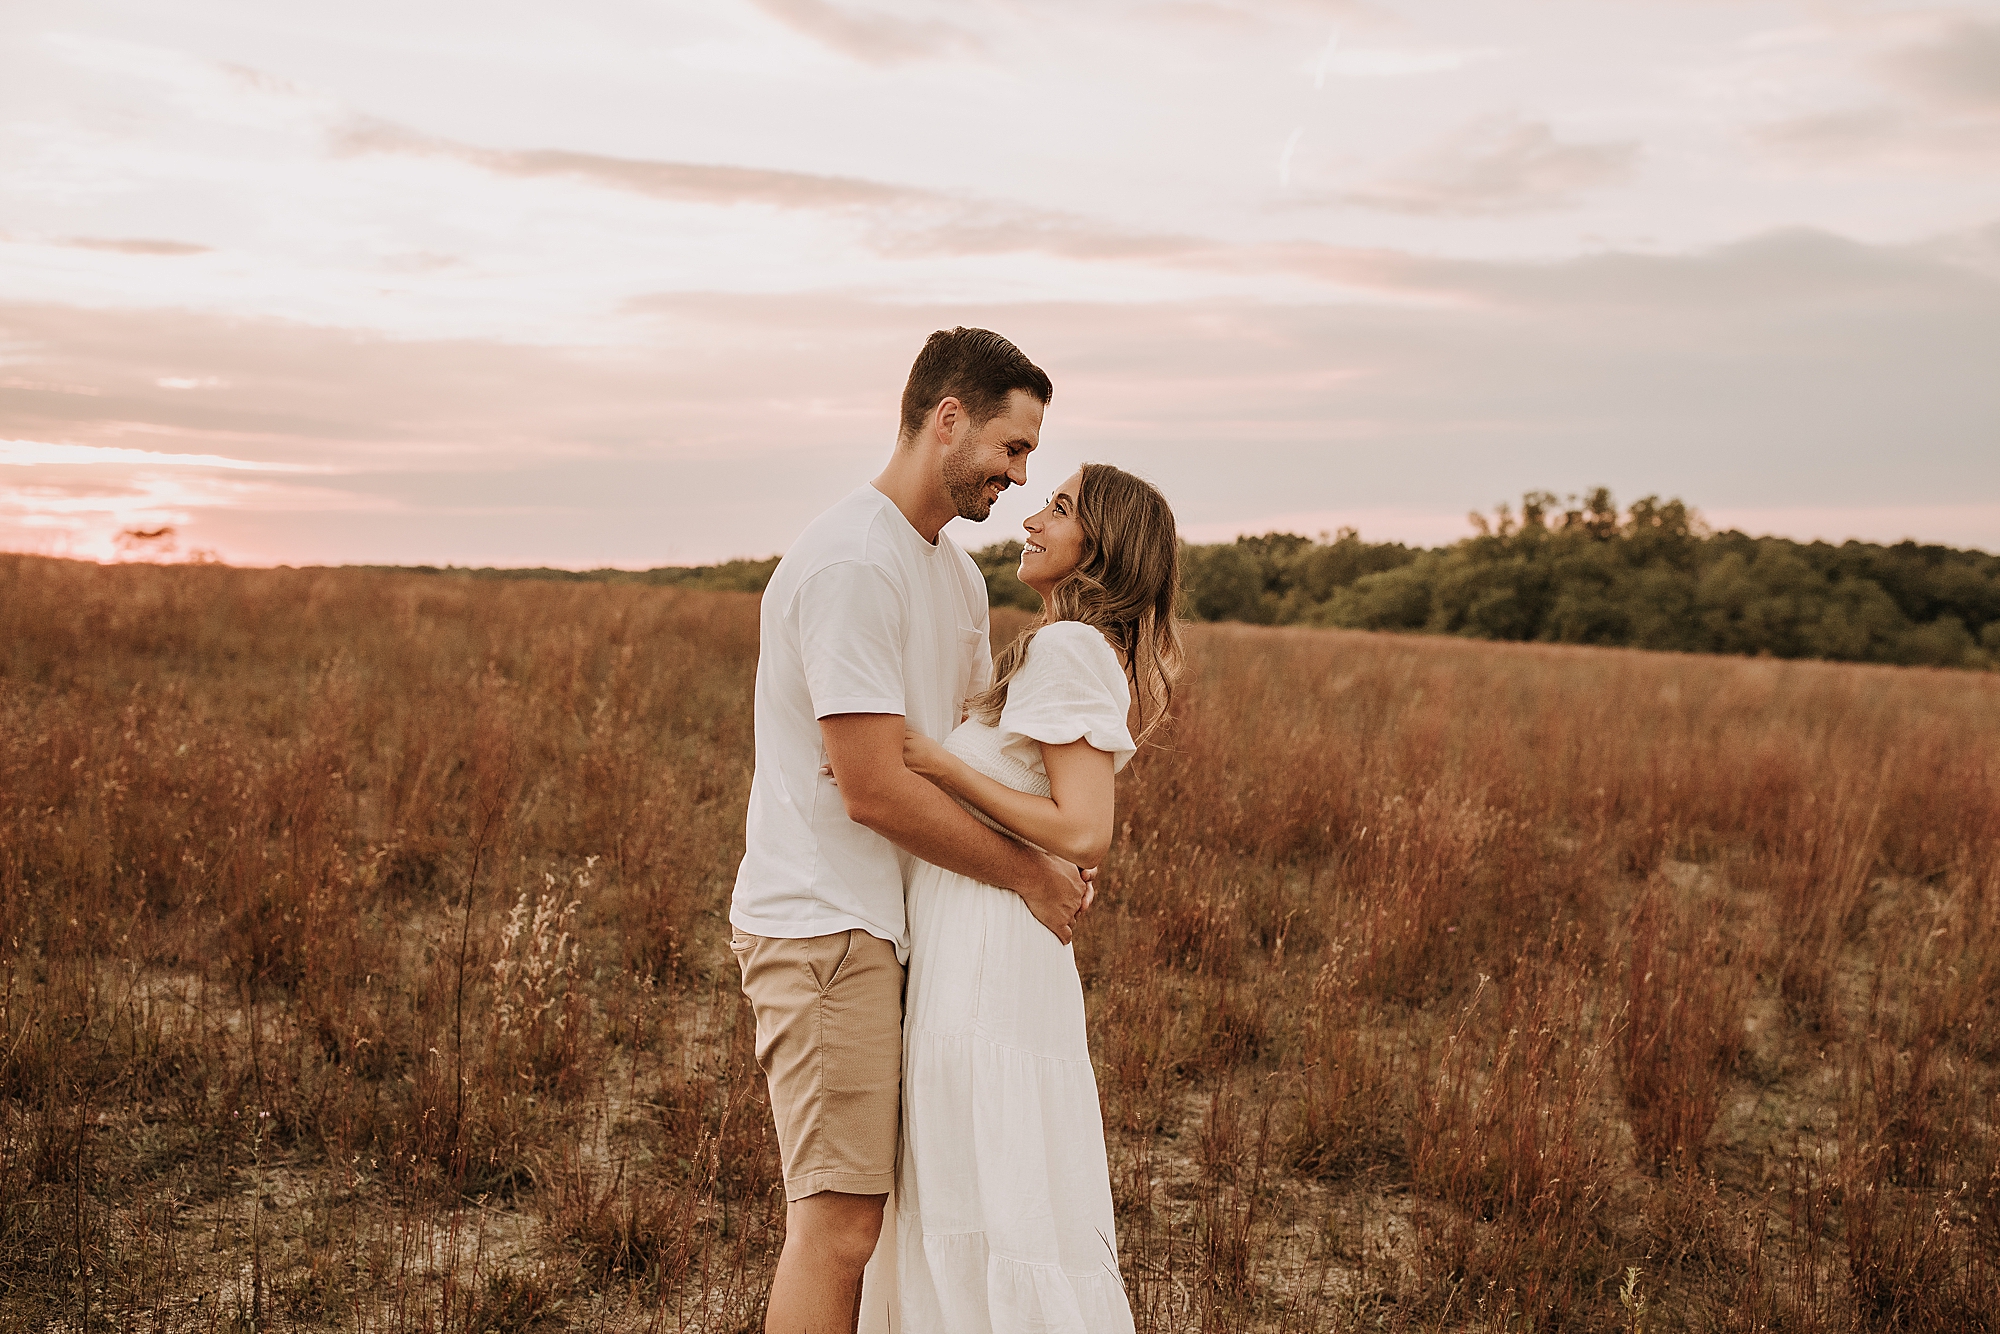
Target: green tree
{"points": [[1224, 583], [1574, 570]]}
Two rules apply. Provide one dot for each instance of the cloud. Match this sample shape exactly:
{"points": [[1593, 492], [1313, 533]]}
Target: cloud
{"points": [[871, 38], [134, 245], [1960, 65], [1836, 134], [42, 453], [1780, 371], [687, 181], [1500, 164], [1395, 63], [1883, 135], [905, 222], [212, 90], [1207, 16], [972, 228], [1799, 269], [1494, 166], [50, 386], [1931, 103], [1976, 250]]}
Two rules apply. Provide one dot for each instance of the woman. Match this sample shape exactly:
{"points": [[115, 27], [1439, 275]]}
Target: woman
{"points": [[1004, 1216]]}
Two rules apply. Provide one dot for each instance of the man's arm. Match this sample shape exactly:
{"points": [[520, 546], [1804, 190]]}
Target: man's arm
{"points": [[865, 751]]}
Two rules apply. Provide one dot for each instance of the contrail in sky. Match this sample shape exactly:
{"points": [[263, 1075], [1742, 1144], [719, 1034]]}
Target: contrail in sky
{"points": [[1326, 58], [1319, 82]]}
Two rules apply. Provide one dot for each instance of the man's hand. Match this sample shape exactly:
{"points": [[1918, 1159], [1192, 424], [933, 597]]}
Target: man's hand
{"points": [[1061, 895]]}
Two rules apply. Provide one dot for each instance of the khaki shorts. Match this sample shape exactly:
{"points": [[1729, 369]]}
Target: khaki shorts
{"points": [[829, 1015]]}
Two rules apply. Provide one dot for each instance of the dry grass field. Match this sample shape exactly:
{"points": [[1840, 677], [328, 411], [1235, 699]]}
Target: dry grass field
{"points": [[363, 966]]}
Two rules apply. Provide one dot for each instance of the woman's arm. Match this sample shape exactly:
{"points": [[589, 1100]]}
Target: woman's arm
{"points": [[1073, 822]]}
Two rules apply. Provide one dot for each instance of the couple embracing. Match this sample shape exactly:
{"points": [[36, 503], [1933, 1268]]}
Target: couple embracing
{"points": [[924, 825]]}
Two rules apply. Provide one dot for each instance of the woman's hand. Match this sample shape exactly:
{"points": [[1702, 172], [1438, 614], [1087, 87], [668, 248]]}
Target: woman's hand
{"points": [[923, 756]]}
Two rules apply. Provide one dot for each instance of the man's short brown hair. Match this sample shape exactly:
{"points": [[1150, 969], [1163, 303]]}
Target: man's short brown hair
{"points": [[977, 367]]}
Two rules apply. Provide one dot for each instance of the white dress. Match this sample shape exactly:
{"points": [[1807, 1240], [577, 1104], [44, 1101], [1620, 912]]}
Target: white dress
{"points": [[1003, 1216]]}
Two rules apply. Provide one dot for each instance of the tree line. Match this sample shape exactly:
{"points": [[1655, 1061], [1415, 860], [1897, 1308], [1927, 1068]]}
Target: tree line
{"points": [[1574, 571], [1583, 572]]}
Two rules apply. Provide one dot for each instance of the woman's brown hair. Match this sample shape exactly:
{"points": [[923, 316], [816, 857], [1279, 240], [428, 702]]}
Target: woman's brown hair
{"points": [[1126, 585]]}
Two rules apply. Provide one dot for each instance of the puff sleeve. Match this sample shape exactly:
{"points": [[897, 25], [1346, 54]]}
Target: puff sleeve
{"points": [[1071, 688]]}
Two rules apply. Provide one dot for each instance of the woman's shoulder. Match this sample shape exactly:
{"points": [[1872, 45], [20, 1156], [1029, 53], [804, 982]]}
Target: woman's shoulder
{"points": [[1075, 650], [1075, 639], [1071, 686]]}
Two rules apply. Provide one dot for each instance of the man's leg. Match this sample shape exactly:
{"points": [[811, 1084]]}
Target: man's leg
{"points": [[828, 1239], [830, 1042]]}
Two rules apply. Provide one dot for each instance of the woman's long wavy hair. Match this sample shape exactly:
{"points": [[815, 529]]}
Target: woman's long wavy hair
{"points": [[1127, 585]]}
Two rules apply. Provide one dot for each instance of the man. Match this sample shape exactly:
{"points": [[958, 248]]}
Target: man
{"points": [[872, 621]]}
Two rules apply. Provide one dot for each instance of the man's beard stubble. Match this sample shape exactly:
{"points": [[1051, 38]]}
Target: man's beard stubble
{"points": [[966, 487]]}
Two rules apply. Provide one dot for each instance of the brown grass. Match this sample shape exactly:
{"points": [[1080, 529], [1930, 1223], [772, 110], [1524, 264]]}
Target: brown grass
{"points": [[362, 966]]}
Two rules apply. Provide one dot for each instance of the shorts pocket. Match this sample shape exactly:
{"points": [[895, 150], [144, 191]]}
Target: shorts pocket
{"points": [[846, 953], [824, 957]]}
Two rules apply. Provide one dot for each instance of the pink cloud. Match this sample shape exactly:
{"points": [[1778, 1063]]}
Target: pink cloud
{"points": [[1799, 370], [703, 183], [871, 38], [1498, 164], [133, 245]]}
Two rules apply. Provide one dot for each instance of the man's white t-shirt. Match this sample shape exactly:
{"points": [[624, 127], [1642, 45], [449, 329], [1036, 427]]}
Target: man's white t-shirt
{"points": [[861, 616]]}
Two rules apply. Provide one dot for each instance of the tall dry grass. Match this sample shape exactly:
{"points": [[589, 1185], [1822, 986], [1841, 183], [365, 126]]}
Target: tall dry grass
{"points": [[362, 966]]}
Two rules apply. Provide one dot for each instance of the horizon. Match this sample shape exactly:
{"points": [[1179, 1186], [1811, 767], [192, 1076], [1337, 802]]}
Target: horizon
{"points": [[619, 289], [163, 549]]}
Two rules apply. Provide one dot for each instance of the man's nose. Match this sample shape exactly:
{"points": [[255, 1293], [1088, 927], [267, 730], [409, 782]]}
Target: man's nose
{"points": [[1017, 471]]}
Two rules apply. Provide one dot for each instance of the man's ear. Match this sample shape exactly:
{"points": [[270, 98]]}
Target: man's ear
{"points": [[945, 418]]}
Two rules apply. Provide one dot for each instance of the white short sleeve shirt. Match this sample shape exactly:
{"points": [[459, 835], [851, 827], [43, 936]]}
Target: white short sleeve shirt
{"points": [[1071, 688], [861, 616]]}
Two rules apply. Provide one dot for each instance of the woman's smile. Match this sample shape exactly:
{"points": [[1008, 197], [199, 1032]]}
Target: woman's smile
{"points": [[1054, 543]]}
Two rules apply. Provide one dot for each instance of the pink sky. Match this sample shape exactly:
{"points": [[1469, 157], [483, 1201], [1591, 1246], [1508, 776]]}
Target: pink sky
{"points": [[608, 284]]}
